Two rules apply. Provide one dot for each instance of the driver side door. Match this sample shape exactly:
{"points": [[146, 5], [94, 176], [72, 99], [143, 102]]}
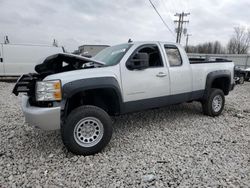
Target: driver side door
{"points": [[149, 83]]}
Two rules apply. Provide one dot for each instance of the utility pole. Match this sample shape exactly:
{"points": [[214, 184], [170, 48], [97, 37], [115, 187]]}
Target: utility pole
{"points": [[178, 28], [180, 22], [187, 36]]}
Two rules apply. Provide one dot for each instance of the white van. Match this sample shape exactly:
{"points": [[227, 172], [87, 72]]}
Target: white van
{"points": [[18, 59]]}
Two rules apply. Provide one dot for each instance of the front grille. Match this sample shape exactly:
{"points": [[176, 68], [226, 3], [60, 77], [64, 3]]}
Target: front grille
{"points": [[26, 84]]}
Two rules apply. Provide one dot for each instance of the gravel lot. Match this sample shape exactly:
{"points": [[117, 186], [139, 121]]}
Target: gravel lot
{"points": [[168, 147]]}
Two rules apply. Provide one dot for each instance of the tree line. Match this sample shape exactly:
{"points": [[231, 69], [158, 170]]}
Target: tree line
{"points": [[239, 43]]}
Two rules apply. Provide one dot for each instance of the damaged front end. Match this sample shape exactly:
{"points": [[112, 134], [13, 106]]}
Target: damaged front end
{"points": [[63, 62], [53, 64]]}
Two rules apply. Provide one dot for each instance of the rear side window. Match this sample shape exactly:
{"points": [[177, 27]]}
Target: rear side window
{"points": [[174, 56]]}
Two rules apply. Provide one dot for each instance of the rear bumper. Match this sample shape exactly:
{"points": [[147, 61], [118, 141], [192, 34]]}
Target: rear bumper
{"points": [[42, 118]]}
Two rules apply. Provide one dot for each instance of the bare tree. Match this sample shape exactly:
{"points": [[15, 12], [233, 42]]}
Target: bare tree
{"points": [[239, 42], [208, 48], [218, 48]]}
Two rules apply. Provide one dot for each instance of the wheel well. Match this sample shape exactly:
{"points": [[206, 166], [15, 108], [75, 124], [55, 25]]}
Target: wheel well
{"points": [[105, 98], [222, 83]]}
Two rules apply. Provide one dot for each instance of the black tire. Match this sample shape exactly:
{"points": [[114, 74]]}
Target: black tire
{"points": [[70, 138], [241, 79], [247, 79], [207, 104]]}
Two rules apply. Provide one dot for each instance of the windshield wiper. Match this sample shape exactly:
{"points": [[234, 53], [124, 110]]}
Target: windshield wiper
{"points": [[92, 64]]}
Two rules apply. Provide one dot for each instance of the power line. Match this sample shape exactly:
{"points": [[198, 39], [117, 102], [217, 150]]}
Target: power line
{"points": [[161, 18]]}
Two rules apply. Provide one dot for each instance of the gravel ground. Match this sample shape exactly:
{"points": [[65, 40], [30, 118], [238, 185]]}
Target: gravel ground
{"points": [[168, 147]]}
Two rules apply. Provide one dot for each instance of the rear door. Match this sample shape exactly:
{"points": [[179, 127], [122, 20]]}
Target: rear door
{"points": [[179, 69], [1, 61]]}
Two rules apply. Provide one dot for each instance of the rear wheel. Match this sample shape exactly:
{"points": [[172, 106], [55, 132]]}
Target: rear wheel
{"points": [[214, 103], [87, 130]]}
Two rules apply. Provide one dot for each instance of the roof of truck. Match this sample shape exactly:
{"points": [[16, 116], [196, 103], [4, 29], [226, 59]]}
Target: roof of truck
{"points": [[151, 41], [148, 42]]}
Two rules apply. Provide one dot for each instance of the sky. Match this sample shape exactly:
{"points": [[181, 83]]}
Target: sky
{"points": [[77, 22]]}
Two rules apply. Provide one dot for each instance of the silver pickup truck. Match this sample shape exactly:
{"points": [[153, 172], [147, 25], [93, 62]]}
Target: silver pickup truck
{"points": [[78, 94]]}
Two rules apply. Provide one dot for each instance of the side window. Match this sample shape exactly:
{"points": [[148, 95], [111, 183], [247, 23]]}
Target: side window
{"points": [[174, 56], [154, 54]]}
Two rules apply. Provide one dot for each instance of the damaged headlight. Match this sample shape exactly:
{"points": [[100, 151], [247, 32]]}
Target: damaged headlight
{"points": [[48, 90]]}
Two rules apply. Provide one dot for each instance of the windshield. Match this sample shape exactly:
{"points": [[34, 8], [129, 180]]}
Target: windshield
{"points": [[112, 55]]}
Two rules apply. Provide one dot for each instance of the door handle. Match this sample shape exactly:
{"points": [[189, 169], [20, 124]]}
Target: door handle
{"points": [[1, 59], [161, 74]]}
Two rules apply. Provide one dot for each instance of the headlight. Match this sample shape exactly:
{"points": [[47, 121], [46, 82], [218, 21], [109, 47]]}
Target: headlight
{"points": [[48, 90]]}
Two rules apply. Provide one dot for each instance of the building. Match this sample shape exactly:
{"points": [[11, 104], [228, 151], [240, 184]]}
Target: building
{"points": [[90, 50]]}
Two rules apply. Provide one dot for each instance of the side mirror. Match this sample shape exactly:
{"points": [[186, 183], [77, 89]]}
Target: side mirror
{"points": [[139, 61]]}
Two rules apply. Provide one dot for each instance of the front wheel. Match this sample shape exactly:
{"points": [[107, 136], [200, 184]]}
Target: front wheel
{"points": [[87, 130], [214, 103]]}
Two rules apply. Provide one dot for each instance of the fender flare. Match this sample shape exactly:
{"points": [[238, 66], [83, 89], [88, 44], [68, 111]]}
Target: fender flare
{"points": [[214, 75], [71, 88]]}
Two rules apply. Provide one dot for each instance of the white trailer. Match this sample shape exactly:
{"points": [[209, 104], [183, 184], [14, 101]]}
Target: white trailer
{"points": [[18, 59]]}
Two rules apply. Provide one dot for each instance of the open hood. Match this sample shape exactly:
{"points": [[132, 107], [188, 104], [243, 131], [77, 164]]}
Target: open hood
{"points": [[63, 62]]}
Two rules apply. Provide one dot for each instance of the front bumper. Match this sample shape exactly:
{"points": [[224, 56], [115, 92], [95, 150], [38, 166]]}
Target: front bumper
{"points": [[40, 117]]}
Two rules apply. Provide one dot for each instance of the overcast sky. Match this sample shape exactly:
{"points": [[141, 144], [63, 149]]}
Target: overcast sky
{"points": [[76, 22]]}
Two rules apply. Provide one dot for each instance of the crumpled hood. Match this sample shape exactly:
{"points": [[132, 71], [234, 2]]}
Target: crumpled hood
{"points": [[70, 76], [63, 62]]}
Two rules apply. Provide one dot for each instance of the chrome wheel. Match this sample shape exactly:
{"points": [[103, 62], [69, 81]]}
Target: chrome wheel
{"points": [[217, 103], [88, 131]]}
